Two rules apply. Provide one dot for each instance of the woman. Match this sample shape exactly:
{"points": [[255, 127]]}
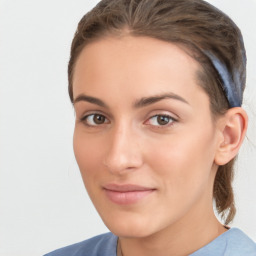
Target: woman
{"points": [[157, 88]]}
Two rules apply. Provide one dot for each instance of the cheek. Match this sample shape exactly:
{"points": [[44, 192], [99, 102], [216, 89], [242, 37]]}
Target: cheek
{"points": [[183, 161], [88, 154]]}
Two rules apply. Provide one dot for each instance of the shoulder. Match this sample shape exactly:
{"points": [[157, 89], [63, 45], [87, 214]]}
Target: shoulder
{"points": [[233, 242], [101, 245], [238, 243]]}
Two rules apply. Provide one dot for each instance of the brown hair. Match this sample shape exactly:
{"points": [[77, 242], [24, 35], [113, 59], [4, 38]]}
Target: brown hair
{"points": [[197, 27]]}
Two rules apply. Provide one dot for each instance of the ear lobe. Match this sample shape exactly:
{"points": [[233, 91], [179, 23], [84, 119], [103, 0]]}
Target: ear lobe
{"points": [[233, 130]]}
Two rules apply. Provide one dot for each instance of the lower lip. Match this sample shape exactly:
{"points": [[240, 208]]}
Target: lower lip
{"points": [[129, 197]]}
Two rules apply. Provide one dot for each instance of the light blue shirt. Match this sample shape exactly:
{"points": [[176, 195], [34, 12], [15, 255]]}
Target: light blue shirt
{"points": [[231, 243]]}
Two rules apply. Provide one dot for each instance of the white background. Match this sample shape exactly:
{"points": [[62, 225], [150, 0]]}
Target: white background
{"points": [[43, 204]]}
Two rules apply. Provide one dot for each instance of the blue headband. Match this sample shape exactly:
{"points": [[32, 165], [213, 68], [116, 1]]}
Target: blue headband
{"points": [[231, 85]]}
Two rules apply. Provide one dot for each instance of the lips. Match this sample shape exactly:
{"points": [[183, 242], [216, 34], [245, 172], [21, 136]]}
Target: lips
{"points": [[126, 194]]}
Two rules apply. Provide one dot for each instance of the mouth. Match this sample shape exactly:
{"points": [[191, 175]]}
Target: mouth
{"points": [[126, 194]]}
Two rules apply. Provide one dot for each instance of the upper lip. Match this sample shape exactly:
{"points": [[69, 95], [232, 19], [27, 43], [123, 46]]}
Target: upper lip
{"points": [[126, 187]]}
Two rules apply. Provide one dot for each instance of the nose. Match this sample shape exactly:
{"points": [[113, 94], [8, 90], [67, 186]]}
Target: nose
{"points": [[124, 152]]}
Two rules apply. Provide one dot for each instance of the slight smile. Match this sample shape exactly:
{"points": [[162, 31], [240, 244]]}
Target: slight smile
{"points": [[127, 193]]}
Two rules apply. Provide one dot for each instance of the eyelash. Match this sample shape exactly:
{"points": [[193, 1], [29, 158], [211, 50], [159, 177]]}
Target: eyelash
{"points": [[170, 120], [85, 119]]}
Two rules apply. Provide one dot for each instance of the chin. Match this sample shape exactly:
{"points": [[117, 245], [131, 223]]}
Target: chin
{"points": [[130, 231], [130, 225]]}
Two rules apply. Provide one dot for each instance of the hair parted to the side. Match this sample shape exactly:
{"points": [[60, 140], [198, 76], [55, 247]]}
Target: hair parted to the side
{"points": [[194, 25]]}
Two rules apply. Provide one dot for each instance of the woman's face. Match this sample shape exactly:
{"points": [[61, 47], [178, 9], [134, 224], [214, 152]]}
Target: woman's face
{"points": [[144, 137]]}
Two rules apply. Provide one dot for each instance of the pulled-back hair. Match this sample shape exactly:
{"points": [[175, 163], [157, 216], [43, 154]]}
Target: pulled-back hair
{"points": [[194, 25]]}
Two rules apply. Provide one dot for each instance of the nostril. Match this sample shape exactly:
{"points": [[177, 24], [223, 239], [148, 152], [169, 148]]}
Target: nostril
{"points": [[121, 164]]}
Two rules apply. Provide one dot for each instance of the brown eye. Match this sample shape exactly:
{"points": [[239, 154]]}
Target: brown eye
{"points": [[95, 119], [99, 119], [163, 120]]}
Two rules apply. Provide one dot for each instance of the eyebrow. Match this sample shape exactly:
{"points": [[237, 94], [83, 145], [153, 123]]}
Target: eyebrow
{"points": [[90, 99], [143, 102], [153, 99]]}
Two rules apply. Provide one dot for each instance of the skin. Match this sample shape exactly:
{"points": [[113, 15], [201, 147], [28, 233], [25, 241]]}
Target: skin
{"points": [[178, 160]]}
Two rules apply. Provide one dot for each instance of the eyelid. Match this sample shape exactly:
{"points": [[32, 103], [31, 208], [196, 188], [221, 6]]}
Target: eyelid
{"points": [[93, 112], [82, 110], [161, 112]]}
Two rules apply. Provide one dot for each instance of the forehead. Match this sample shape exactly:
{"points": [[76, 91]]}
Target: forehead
{"points": [[137, 64]]}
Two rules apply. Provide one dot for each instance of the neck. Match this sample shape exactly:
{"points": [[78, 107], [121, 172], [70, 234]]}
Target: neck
{"points": [[182, 238]]}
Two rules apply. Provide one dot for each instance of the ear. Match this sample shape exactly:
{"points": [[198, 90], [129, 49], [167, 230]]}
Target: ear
{"points": [[232, 130]]}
